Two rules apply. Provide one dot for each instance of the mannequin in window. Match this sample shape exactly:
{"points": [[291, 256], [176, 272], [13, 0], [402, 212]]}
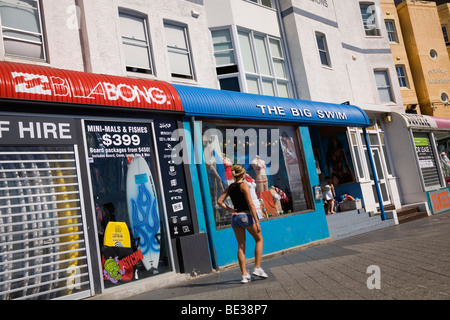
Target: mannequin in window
{"points": [[227, 165], [262, 183], [210, 162]]}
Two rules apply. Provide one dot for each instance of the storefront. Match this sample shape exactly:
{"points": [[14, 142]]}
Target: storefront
{"points": [[90, 197], [271, 137], [420, 146], [109, 180]]}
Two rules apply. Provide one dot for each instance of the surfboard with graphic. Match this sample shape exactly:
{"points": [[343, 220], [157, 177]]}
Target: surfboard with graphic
{"points": [[143, 211]]}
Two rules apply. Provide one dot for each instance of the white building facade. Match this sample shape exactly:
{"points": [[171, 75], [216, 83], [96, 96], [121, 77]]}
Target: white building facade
{"points": [[332, 51], [329, 51]]}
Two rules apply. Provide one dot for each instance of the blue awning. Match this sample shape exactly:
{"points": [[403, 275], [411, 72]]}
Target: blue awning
{"points": [[221, 104]]}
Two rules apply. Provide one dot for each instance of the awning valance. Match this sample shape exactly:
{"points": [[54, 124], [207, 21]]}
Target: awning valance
{"points": [[210, 103]]}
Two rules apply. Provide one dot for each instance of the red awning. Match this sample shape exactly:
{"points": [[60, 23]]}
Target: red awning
{"points": [[38, 83]]}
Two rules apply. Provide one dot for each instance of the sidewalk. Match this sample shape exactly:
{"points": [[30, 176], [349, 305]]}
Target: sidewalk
{"points": [[413, 261]]}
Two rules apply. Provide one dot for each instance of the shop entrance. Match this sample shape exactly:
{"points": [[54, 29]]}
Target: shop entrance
{"points": [[333, 158]]}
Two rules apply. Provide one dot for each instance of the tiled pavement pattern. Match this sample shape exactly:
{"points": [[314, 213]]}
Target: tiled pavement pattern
{"points": [[413, 260]]}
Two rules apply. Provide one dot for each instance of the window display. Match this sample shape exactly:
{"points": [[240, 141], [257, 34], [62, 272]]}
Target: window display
{"points": [[130, 222], [274, 163]]}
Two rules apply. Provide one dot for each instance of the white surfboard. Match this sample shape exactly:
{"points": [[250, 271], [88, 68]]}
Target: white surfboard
{"points": [[143, 210]]}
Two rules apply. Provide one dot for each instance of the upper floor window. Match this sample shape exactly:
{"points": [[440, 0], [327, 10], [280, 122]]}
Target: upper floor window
{"points": [[264, 64], [135, 43], [22, 28], [226, 65], [369, 18], [323, 49], [179, 51], [267, 3], [383, 86], [445, 34], [401, 75], [392, 33]]}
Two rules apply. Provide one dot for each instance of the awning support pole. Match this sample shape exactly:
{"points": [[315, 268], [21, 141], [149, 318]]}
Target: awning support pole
{"points": [[374, 172]]}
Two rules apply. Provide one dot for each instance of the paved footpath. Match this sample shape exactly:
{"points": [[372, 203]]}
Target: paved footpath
{"points": [[402, 262]]}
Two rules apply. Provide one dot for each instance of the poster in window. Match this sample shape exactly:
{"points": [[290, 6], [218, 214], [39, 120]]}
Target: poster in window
{"points": [[130, 219]]}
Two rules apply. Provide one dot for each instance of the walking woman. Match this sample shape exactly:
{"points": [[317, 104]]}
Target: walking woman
{"points": [[243, 217]]}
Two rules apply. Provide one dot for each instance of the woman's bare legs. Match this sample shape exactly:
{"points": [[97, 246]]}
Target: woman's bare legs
{"points": [[258, 244], [240, 237]]}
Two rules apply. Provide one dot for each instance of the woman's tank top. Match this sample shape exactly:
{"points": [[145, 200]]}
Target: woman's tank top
{"points": [[238, 198]]}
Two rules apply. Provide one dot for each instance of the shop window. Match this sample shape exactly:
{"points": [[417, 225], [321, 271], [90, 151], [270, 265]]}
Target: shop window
{"points": [[42, 239], [369, 18], [274, 162], [179, 51], [131, 224], [443, 145], [135, 43], [401, 75], [383, 86], [391, 31], [22, 28], [426, 160], [264, 64], [323, 49]]}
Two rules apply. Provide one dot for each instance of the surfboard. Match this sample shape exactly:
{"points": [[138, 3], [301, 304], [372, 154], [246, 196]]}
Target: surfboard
{"points": [[117, 235], [143, 211]]}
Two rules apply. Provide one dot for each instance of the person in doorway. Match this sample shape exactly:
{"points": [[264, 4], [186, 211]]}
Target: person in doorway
{"points": [[243, 217], [328, 195]]}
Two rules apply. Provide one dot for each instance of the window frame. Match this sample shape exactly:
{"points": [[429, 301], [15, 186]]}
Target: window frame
{"points": [[404, 76], [138, 69], [261, 3], [255, 73], [376, 23], [392, 32], [296, 138], [187, 52], [445, 34], [387, 86], [41, 35], [324, 51]]}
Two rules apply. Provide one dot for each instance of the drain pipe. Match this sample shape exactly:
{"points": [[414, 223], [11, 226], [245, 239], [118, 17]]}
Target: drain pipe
{"points": [[374, 172]]}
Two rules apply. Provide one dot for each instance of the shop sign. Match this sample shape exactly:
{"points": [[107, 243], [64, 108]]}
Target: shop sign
{"points": [[35, 130], [439, 200], [302, 112], [424, 152], [172, 172], [20, 81]]}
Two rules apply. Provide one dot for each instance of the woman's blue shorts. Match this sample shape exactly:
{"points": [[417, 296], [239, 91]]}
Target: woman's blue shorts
{"points": [[242, 220]]}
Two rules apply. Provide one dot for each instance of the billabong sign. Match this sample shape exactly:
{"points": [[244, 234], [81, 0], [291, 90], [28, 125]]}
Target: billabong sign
{"points": [[57, 86], [21, 81]]}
